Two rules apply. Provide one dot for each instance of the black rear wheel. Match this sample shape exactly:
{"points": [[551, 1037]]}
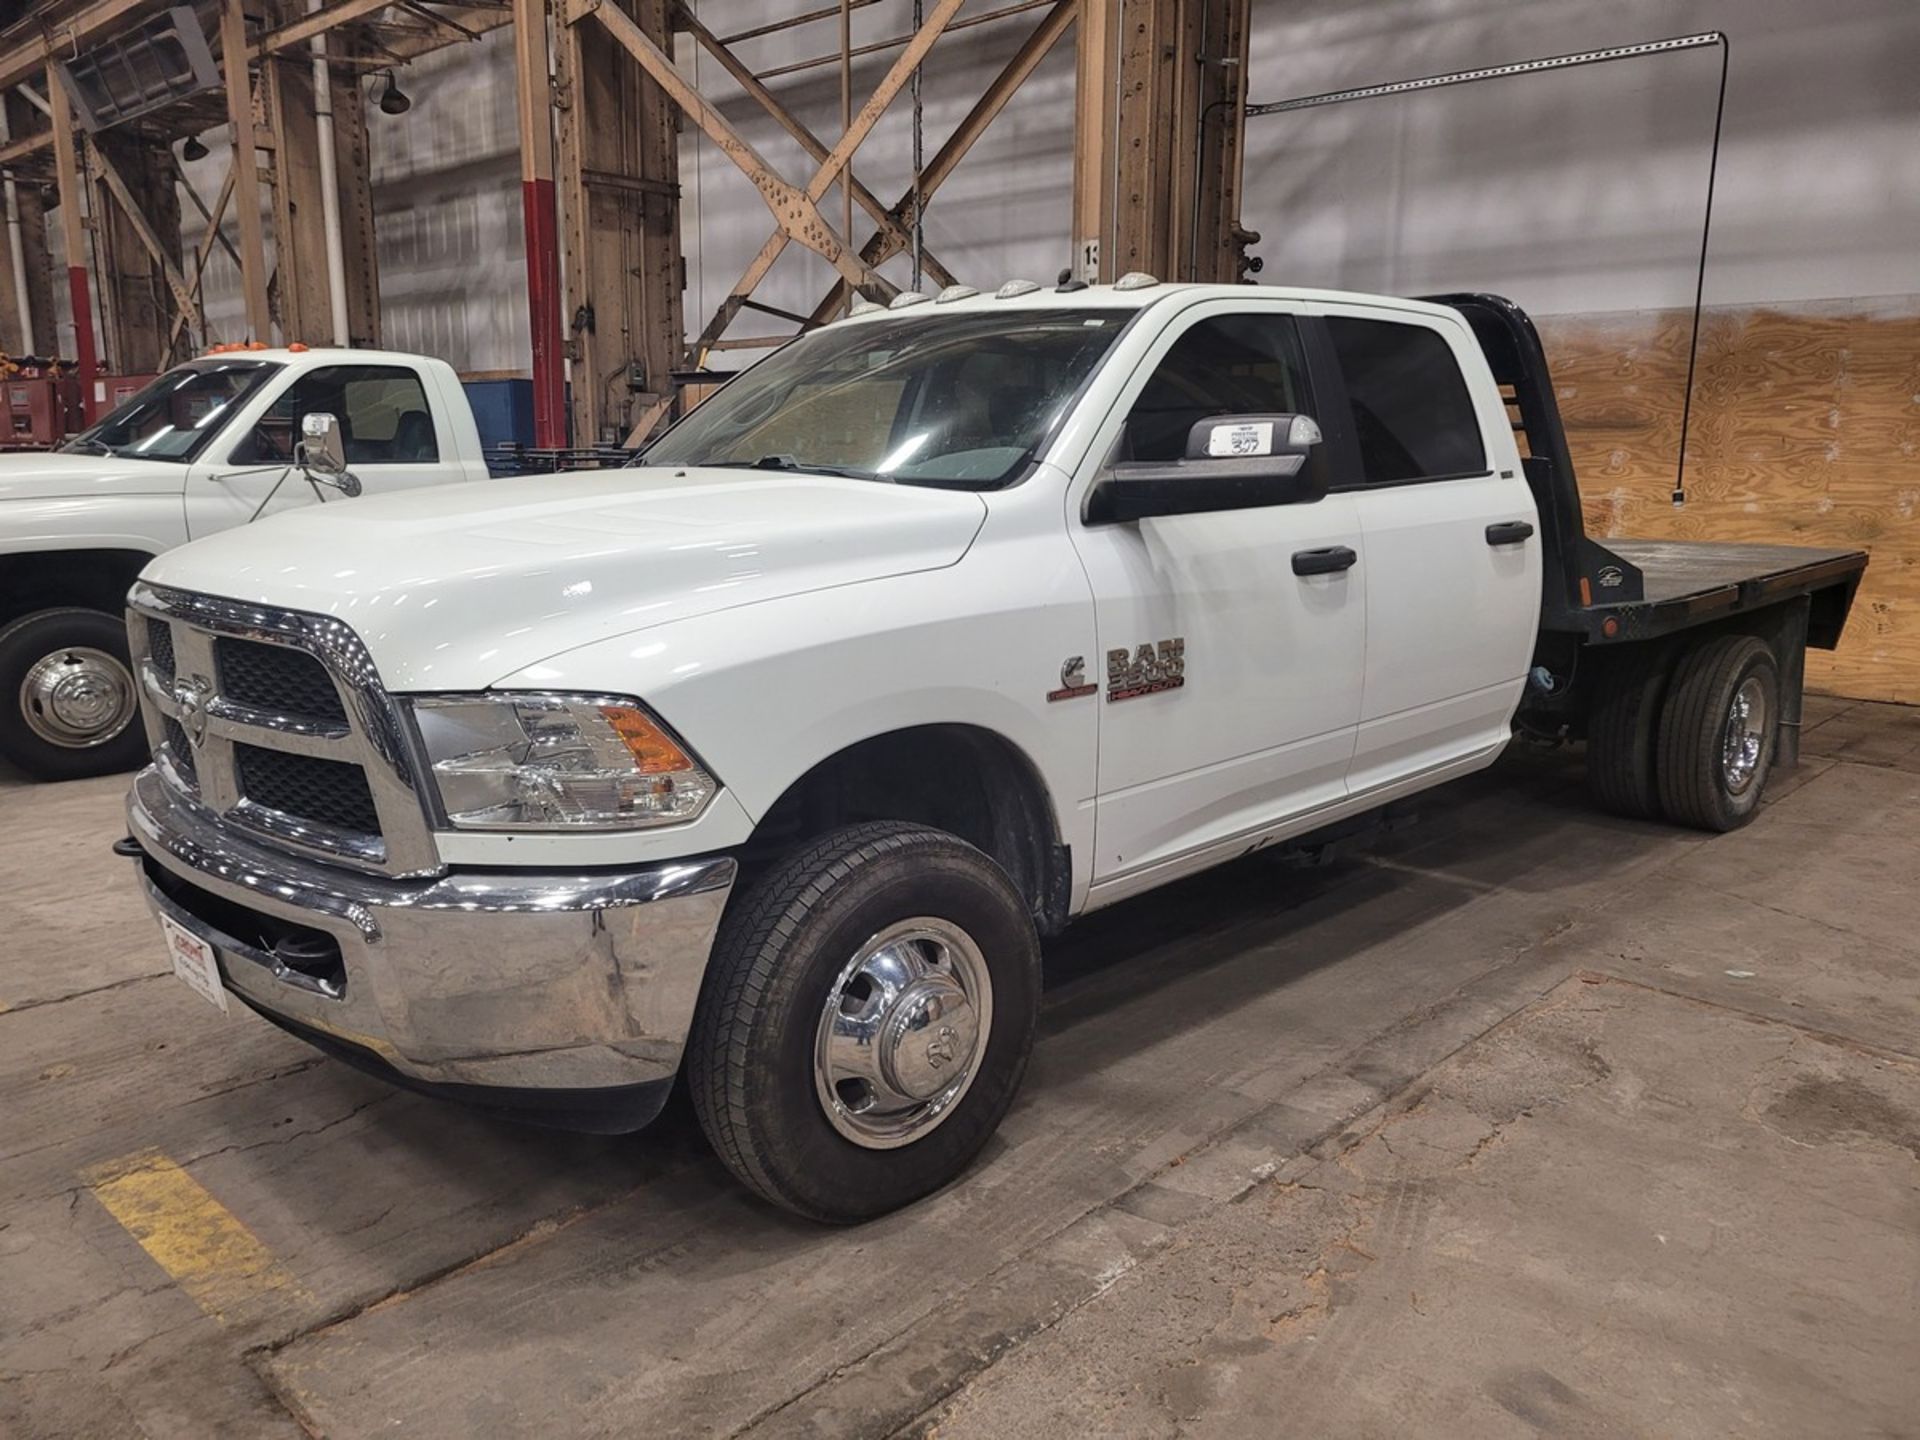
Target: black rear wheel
{"points": [[1717, 732], [866, 1020], [68, 703], [1624, 729]]}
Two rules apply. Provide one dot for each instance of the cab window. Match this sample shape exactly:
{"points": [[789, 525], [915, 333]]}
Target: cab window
{"points": [[382, 409], [1248, 364], [1412, 413]]}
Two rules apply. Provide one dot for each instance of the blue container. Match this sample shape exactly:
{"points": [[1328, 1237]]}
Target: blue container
{"points": [[503, 409]]}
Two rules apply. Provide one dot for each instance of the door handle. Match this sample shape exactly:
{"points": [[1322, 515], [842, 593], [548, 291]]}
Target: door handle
{"points": [[1509, 532], [1330, 560]]}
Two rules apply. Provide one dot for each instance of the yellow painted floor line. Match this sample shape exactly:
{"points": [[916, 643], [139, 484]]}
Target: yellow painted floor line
{"points": [[193, 1237]]}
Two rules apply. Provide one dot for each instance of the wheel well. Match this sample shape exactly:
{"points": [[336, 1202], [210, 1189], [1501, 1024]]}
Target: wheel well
{"points": [[961, 779], [97, 579]]}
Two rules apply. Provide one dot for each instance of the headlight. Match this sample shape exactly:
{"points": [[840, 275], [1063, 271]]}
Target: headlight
{"points": [[559, 762]]}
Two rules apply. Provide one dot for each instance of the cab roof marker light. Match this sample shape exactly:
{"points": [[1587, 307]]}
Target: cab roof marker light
{"points": [[908, 297], [955, 292], [1016, 287], [864, 306], [1136, 280]]}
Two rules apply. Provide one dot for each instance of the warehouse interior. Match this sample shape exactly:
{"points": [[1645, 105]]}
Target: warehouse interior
{"points": [[1503, 1116]]}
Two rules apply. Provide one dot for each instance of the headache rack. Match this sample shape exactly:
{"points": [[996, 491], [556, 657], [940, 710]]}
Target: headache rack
{"points": [[1626, 590]]}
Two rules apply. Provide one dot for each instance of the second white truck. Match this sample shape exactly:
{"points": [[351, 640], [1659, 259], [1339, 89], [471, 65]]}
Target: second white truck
{"points": [[207, 447], [768, 761]]}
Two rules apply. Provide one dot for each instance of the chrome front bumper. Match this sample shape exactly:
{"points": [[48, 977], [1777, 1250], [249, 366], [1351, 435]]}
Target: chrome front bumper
{"points": [[523, 980]]}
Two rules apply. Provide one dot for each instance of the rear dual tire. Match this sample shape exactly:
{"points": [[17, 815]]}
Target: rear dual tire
{"points": [[1717, 733], [1690, 737]]}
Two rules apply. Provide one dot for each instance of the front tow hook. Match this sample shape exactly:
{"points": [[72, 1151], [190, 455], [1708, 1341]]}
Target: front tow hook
{"points": [[127, 848]]}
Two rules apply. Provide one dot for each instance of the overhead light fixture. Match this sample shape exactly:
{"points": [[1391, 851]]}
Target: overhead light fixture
{"points": [[393, 100], [193, 149], [160, 60]]}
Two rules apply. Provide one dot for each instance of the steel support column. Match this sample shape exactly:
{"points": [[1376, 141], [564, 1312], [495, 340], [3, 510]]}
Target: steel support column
{"points": [[542, 232], [353, 163], [73, 227], [1095, 116], [1213, 247], [242, 125], [26, 294], [1157, 138], [617, 168], [302, 291]]}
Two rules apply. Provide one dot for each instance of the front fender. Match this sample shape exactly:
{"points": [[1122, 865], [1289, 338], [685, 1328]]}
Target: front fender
{"points": [[146, 523], [765, 692]]}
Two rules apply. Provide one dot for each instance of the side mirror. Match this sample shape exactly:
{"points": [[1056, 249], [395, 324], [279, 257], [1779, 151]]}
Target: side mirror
{"points": [[322, 454], [1233, 462]]}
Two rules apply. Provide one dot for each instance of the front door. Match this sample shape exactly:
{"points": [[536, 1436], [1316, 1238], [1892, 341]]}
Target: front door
{"points": [[1230, 685], [393, 439], [1453, 573]]}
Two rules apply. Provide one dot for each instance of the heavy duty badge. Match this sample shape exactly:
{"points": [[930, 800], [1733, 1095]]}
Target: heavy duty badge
{"points": [[1153, 667], [1073, 681]]}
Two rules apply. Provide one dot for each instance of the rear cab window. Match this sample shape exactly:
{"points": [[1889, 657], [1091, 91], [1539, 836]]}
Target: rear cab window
{"points": [[1413, 416]]}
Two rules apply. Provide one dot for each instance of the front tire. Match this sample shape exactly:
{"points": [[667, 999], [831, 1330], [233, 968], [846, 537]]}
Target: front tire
{"points": [[68, 704], [867, 1017]]}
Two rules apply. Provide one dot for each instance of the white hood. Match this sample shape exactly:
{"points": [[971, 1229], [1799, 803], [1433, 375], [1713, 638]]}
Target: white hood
{"points": [[454, 587], [44, 475]]}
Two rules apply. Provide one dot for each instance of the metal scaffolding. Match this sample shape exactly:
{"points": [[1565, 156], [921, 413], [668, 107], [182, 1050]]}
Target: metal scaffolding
{"points": [[1160, 96]]}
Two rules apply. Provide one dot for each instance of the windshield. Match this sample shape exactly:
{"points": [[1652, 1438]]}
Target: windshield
{"points": [[174, 417], [937, 399]]}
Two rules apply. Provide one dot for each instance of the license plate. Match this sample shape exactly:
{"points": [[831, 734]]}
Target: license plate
{"points": [[193, 962]]}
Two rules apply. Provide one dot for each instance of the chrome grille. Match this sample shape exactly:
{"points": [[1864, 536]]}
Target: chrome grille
{"points": [[160, 647], [331, 792], [179, 749], [277, 680], [276, 721]]}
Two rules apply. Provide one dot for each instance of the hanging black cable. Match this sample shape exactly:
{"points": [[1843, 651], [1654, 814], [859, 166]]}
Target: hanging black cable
{"points": [[1566, 62], [1700, 280]]}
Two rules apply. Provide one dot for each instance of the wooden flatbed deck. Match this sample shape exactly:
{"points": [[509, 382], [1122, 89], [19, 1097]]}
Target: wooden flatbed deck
{"points": [[1692, 569]]}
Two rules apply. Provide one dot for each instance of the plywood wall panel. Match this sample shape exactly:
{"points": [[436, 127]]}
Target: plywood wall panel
{"points": [[1805, 430]]}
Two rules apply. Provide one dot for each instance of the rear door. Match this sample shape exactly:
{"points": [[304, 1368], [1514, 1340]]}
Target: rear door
{"points": [[1452, 569], [1229, 686], [397, 436]]}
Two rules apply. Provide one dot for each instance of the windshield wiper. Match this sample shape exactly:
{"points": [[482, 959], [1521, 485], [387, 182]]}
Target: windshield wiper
{"points": [[100, 447], [807, 467]]}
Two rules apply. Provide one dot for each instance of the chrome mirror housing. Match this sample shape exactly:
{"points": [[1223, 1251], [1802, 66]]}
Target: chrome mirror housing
{"points": [[322, 453]]}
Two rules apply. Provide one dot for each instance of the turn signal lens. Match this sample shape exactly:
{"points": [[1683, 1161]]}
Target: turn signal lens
{"points": [[654, 753]]}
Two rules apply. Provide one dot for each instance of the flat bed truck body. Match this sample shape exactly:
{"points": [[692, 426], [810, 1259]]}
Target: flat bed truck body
{"points": [[1647, 596], [763, 766]]}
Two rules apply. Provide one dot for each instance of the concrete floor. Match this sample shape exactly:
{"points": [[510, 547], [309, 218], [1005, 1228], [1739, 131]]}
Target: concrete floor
{"points": [[1524, 1121]]}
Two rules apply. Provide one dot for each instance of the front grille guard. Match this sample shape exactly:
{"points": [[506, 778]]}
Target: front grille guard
{"points": [[374, 737]]}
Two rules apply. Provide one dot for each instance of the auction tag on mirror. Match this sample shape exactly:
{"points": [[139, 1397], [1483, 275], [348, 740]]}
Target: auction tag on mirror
{"points": [[1255, 437], [193, 962]]}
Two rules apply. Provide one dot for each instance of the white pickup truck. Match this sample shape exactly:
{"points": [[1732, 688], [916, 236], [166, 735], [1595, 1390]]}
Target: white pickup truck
{"points": [[202, 449], [769, 760]]}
